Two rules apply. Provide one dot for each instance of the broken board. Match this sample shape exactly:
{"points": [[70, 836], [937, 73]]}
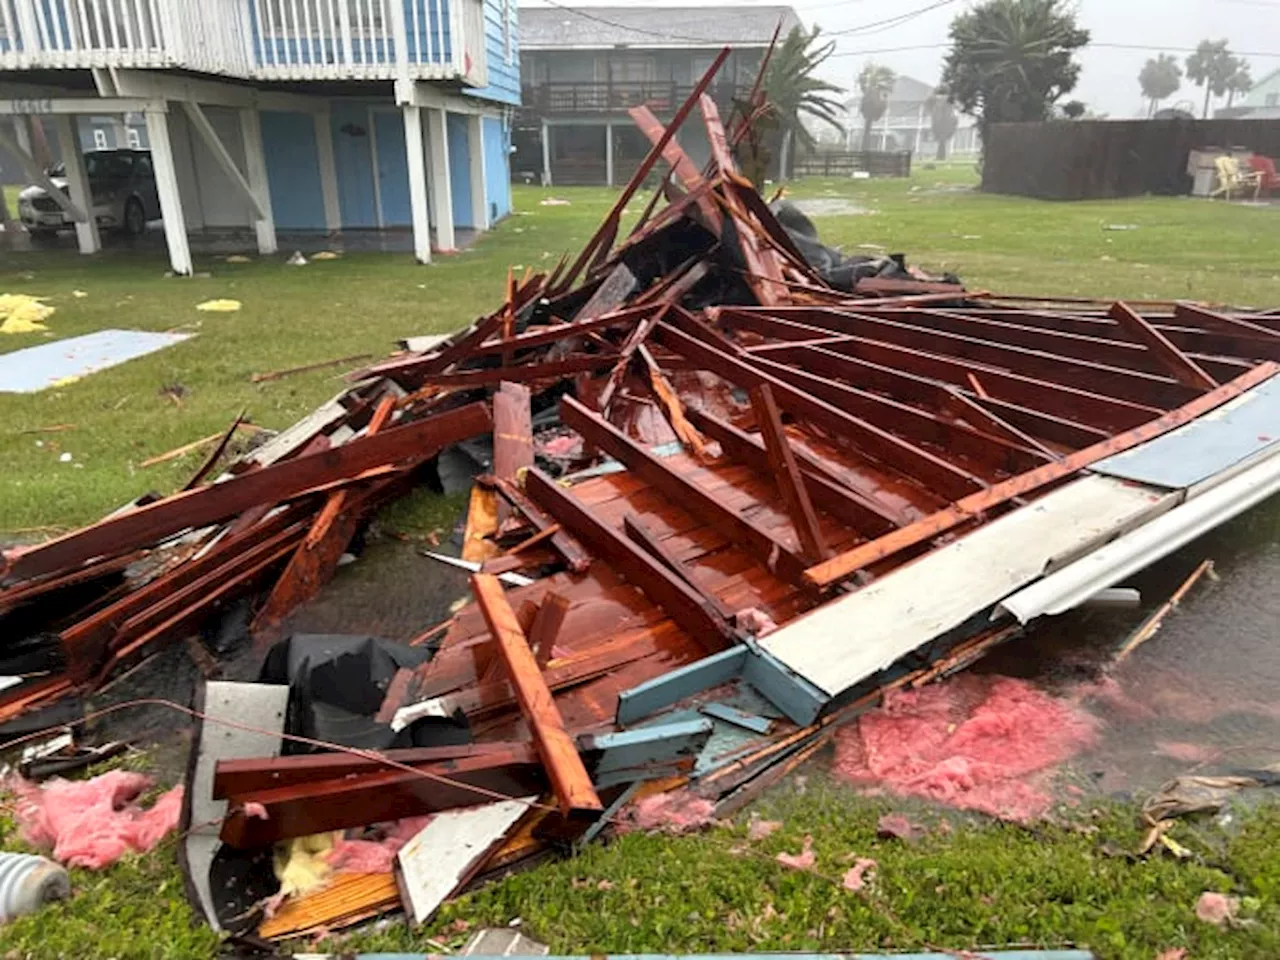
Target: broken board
{"points": [[49, 364]]}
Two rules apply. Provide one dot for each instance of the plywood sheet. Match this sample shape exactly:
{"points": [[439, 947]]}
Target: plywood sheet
{"points": [[35, 368]]}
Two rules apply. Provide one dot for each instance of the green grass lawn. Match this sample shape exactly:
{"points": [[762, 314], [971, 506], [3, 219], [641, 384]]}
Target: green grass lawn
{"points": [[978, 884]]}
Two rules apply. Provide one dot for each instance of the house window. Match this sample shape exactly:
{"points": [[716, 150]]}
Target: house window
{"points": [[99, 139], [1273, 99], [134, 138], [507, 40]]}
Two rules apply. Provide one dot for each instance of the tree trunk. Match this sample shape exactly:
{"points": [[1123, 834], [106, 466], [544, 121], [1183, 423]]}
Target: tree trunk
{"points": [[867, 124], [1231, 98], [942, 149], [1207, 90], [784, 159], [1151, 110]]}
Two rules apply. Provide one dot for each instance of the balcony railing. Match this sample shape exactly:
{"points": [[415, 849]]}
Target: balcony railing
{"points": [[557, 97], [267, 39]]}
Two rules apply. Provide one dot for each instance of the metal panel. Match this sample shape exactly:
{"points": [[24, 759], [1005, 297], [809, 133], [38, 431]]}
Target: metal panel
{"points": [[852, 638], [251, 705], [1207, 445], [35, 368]]}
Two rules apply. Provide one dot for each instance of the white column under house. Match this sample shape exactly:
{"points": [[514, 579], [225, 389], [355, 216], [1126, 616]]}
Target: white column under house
{"points": [[78, 183], [546, 154], [328, 171], [175, 225], [417, 182], [255, 168], [441, 189], [476, 159], [608, 154]]}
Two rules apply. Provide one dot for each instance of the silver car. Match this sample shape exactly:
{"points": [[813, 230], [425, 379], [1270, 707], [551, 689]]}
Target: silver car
{"points": [[121, 182]]}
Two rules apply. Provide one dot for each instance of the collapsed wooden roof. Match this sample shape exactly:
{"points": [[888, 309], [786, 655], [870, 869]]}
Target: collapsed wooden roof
{"points": [[821, 492]]}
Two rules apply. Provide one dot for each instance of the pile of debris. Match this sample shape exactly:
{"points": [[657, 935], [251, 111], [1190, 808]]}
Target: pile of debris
{"points": [[772, 484]]}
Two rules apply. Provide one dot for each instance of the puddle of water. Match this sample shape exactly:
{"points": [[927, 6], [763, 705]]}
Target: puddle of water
{"points": [[829, 207]]}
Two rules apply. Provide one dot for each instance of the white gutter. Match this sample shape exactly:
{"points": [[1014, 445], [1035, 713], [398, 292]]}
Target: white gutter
{"points": [[1074, 584]]}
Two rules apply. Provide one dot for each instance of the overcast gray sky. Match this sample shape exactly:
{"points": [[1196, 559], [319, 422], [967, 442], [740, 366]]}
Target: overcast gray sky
{"points": [[1108, 82]]}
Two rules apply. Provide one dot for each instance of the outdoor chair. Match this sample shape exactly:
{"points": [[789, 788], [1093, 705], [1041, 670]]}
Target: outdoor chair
{"points": [[1231, 179], [1265, 167]]}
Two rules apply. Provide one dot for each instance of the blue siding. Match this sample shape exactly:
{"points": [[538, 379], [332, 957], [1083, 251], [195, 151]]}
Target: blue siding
{"points": [[393, 169], [497, 173], [351, 133], [428, 31], [428, 38], [504, 78], [293, 170], [460, 170]]}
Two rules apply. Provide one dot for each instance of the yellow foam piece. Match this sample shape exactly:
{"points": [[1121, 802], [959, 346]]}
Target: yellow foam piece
{"points": [[20, 313], [219, 306]]}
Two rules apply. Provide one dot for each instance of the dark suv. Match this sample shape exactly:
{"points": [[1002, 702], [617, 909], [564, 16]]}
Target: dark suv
{"points": [[123, 186]]}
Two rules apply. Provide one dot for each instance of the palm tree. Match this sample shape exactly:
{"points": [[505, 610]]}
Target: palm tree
{"points": [[1012, 60], [1241, 81], [1211, 67], [943, 120], [1160, 79], [795, 93], [875, 83]]}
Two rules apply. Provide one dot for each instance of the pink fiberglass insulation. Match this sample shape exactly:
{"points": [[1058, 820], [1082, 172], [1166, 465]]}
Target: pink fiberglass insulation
{"points": [[377, 853], [93, 823], [976, 743], [676, 812]]}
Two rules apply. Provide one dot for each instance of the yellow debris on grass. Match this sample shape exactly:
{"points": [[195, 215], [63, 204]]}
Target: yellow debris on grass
{"points": [[324, 255], [20, 313], [219, 306], [238, 258]]}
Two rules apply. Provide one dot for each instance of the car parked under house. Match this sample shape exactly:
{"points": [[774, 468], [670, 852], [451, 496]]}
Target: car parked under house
{"points": [[122, 185]]}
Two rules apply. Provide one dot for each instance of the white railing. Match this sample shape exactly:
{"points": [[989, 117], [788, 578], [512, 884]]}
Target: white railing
{"points": [[268, 39], [82, 33]]}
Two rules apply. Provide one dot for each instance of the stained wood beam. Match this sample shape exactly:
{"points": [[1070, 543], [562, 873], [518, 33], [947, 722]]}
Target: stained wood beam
{"points": [[1134, 385], [523, 373], [512, 436], [685, 169], [1183, 368], [568, 776], [683, 492], [938, 394], [863, 514], [685, 606], [848, 563], [576, 557], [927, 469], [644, 538], [1197, 315], [786, 474], [547, 623], [279, 482]]}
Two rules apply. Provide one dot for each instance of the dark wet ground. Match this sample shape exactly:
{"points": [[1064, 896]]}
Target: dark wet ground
{"points": [[242, 241], [1205, 688]]}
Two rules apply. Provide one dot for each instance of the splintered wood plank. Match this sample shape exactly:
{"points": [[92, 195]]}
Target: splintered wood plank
{"points": [[569, 778], [512, 436], [787, 474], [346, 899], [547, 624]]}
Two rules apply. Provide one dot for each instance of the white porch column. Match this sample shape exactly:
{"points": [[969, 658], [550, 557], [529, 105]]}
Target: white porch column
{"points": [[441, 189], [255, 168], [546, 154], [328, 171], [175, 224], [608, 154], [417, 182], [78, 183], [475, 154]]}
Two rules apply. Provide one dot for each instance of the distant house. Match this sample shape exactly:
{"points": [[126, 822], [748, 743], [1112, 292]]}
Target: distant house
{"points": [[905, 124], [321, 115], [1263, 101], [582, 68]]}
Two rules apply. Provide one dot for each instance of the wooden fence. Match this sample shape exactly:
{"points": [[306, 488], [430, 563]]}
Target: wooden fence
{"points": [[1094, 159], [847, 163]]}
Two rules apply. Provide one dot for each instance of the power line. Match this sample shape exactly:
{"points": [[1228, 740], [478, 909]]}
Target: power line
{"points": [[891, 21]]}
